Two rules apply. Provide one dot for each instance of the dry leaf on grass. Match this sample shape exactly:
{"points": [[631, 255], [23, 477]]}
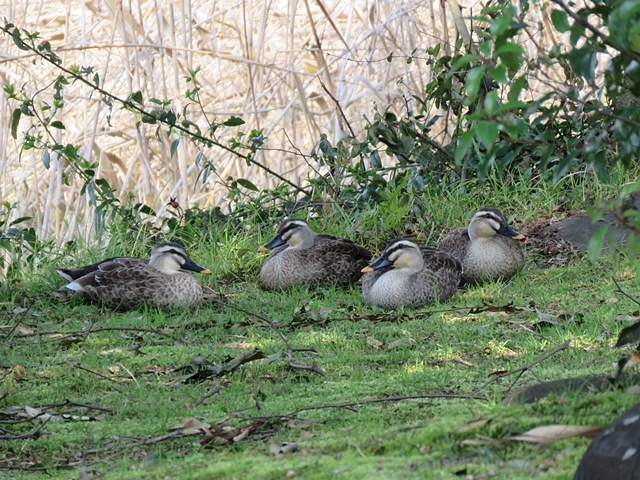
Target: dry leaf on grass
{"points": [[19, 329], [217, 433], [482, 440], [374, 342], [462, 362], [550, 433]]}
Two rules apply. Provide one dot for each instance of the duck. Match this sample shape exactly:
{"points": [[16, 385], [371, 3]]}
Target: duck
{"points": [[301, 257], [409, 275], [488, 248], [125, 283]]}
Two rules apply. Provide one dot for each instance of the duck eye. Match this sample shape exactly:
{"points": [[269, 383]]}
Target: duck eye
{"points": [[173, 251]]}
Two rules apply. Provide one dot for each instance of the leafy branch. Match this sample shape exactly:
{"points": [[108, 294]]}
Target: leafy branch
{"points": [[133, 103]]}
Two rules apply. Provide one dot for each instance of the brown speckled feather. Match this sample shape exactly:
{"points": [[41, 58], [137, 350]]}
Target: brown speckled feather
{"points": [[438, 279], [125, 284], [329, 260], [487, 257], [71, 274]]}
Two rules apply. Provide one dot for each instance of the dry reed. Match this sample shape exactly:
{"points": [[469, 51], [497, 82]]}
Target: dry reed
{"points": [[268, 62]]}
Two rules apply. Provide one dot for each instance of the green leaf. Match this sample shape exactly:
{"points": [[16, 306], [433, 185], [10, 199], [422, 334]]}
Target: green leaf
{"points": [[19, 220], [46, 158], [148, 119], [463, 144], [70, 151], [500, 25], [375, 160], [247, 184], [584, 61], [57, 124], [560, 21], [510, 54], [499, 73], [233, 121], [15, 120], [137, 97], [146, 209], [91, 193], [474, 78], [174, 147], [596, 241], [463, 61], [487, 131], [516, 88], [18, 40]]}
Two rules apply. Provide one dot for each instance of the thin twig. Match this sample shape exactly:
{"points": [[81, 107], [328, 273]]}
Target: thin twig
{"points": [[625, 293], [24, 314], [350, 405], [339, 107], [70, 403], [605, 39], [290, 350], [83, 470], [139, 110], [528, 366], [80, 367], [101, 329], [25, 435], [210, 393]]}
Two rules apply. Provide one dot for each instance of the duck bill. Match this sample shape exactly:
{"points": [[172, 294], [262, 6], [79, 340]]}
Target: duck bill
{"points": [[276, 242], [194, 267], [507, 231], [378, 264]]}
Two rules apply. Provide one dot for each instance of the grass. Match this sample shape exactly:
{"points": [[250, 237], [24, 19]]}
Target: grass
{"points": [[367, 354]]}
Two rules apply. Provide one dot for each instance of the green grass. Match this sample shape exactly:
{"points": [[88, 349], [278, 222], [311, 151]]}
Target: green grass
{"points": [[437, 350]]}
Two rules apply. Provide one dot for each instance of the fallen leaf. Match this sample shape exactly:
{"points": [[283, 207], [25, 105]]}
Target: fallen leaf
{"points": [[482, 440], [463, 362], [551, 433], [189, 426], [374, 342], [474, 424]]}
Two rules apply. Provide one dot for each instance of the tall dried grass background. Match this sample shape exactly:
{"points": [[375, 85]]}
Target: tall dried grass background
{"points": [[266, 61]]}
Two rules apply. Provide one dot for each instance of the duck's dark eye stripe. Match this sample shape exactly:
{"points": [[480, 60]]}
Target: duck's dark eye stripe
{"points": [[287, 227], [397, 247]]}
